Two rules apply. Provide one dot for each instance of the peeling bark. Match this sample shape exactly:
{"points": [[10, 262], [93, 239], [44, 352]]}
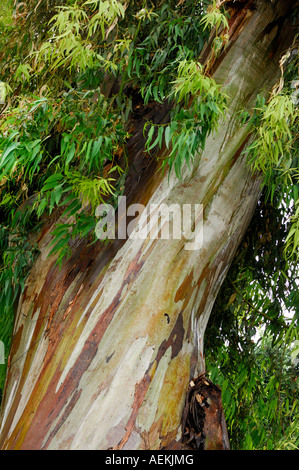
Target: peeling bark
{"points": [[103, 350], [203, 426]]}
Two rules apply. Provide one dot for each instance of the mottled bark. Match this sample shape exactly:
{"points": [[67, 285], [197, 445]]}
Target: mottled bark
{"points": [[95, 361]]}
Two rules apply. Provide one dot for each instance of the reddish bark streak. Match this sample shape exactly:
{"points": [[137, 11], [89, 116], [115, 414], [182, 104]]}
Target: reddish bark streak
{"points": [[140, 392], [184, 291], [175, 340]]}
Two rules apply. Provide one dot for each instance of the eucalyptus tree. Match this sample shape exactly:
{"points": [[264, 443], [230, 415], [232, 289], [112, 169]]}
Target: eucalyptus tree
{"points": [[157, 104]]}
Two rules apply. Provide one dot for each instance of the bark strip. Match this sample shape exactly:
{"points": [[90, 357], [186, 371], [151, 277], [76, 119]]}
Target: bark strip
{"points": [[203, 426]]}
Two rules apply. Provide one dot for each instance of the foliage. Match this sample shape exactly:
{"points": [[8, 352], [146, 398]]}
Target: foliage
{"points": [[260, 395], [189, 126], [17, 255], [273, 147], [274, 150], [292, 239], [214, 17], [257, 300]]}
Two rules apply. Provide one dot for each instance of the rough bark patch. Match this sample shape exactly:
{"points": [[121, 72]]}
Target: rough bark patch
{"points": [[203, 419]]}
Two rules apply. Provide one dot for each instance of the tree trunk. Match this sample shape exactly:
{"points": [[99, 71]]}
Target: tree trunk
{"points": [[104, 348]]}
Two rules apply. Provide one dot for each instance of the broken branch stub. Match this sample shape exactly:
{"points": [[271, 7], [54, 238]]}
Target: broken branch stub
{"points": [[203, 423]]}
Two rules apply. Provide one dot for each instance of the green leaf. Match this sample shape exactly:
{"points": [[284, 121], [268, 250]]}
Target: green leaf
{"points": [[150, 136], [7, 152], [70, 154], [168, 135], [52, 182]]}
